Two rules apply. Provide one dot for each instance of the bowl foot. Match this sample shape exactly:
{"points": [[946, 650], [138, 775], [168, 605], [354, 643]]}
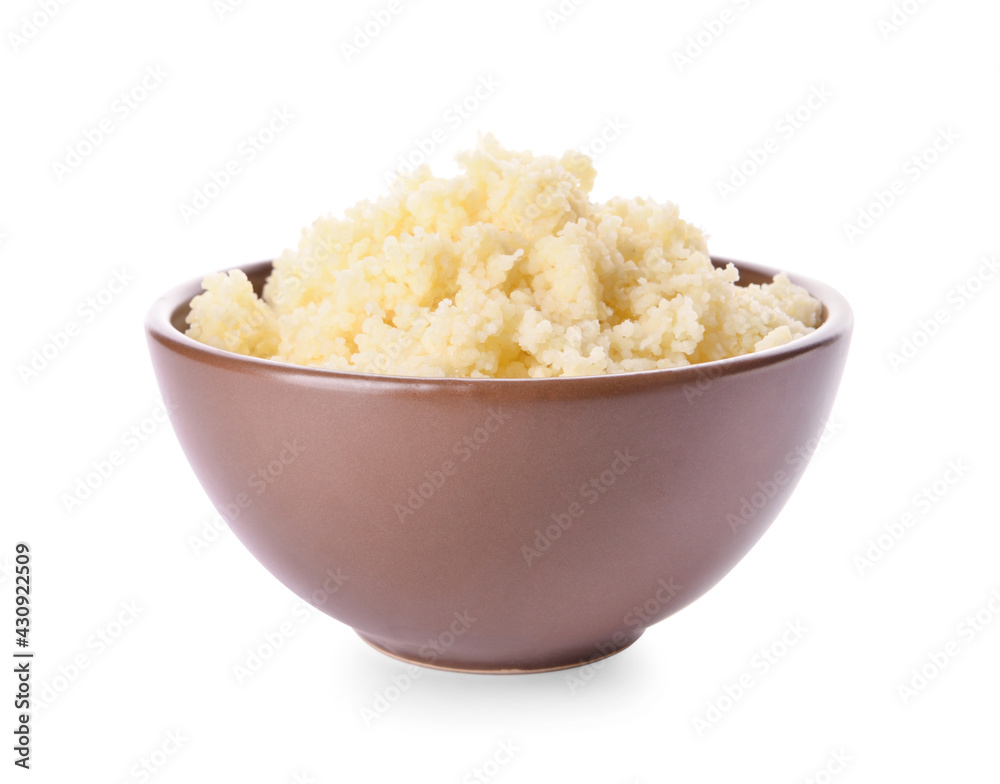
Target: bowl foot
{"points": [[489, 669]]}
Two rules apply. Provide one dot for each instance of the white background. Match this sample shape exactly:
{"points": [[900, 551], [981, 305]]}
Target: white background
{"points": [[645, 716]]}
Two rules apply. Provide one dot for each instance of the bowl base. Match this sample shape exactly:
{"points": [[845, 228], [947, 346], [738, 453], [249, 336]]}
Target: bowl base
{"points": [[494, 670]]}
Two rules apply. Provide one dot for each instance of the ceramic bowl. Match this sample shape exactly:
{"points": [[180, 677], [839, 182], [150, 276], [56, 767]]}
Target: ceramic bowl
{"points": [[499, 525]]}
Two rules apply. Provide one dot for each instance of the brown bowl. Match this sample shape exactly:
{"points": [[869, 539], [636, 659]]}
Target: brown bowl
{"points": [[499, 525]]}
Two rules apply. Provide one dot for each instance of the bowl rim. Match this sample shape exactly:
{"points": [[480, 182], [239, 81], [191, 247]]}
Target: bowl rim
{"points": [[837, 323]]}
